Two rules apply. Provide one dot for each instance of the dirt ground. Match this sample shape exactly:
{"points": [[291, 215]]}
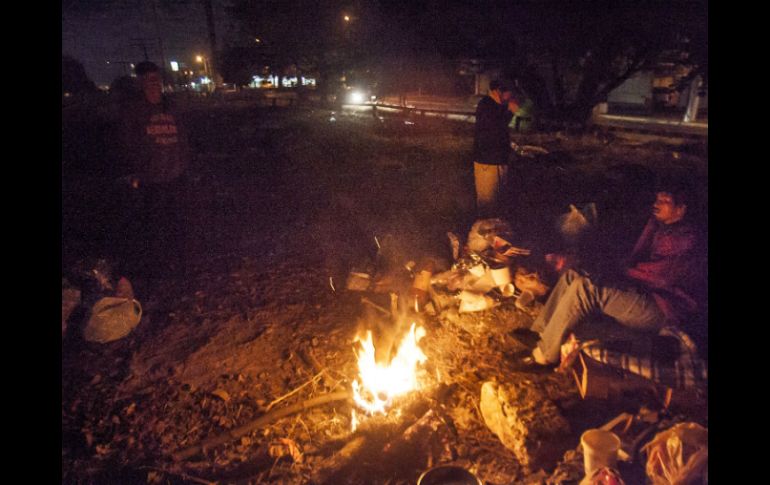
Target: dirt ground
{"points": [[283, 203]]}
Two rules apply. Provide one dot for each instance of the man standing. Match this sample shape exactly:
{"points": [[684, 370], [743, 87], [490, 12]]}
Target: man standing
{"points": [[492, 146], [655, 290], [153, 150]]}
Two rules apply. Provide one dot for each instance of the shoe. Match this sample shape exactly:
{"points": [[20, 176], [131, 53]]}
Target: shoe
{"points": [[529, 364], [538, 357]]}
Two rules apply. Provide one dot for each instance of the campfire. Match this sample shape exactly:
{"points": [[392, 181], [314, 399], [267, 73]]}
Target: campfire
{"points": [[381, 382]]}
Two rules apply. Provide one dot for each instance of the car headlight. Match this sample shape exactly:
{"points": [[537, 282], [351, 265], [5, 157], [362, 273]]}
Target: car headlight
{"points": [[356, 97]]}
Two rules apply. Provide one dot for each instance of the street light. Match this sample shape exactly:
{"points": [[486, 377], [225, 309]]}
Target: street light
{"points": [[201, 59], [209, 85], [347, 18]]}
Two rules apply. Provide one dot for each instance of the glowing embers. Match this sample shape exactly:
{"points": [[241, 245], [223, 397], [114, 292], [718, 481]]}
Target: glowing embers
{"points": [[381, 382]]}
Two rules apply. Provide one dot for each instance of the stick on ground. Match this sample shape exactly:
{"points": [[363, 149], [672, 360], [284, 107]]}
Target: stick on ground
{"points": [[267, 418], [276, 401]]}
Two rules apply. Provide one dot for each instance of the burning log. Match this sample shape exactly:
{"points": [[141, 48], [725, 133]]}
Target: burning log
{"points": [[386, 444], [339, 461], [267, 418], [422, 444]]}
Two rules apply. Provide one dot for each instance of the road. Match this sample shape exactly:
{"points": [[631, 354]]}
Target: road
{"points": [[655, 124]]}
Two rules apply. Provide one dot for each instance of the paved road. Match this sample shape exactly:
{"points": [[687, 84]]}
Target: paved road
{"points": [[653, 124], [663, 124]]}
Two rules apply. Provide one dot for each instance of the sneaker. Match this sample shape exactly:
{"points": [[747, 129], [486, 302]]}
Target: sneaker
{"points": [[538, 357], [533, 362]]}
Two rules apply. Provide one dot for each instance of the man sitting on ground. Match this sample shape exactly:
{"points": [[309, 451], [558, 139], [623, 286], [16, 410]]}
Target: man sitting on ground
{"points": [[655, 290]]}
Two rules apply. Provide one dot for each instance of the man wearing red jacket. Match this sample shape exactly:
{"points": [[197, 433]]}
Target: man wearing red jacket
{"points": [[151, 144], [657, 288]]}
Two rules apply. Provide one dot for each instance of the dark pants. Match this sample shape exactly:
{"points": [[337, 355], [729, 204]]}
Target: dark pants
{"points": [[148, 240]]}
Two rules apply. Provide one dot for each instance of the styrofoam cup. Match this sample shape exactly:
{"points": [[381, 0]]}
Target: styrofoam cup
{"points": [[501, 276], [600, 449]]}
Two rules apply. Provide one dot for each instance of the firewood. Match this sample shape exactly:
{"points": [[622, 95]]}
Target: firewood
{"points": [[310, 360], [369, 302], [340, 460], [267, 418], [291, 393]]}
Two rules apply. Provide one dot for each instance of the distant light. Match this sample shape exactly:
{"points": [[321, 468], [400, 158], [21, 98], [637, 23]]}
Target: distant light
{"points": [[132, 66], [356, 97], [257, 40], [347, 18], [198, 58], [174, 66]]}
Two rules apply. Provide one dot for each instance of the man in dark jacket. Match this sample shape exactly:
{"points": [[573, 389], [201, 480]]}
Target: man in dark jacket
{"points": [[658, 287], [153, 154], [492, 146]]}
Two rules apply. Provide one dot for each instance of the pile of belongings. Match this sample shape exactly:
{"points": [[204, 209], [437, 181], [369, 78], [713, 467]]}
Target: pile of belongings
{"points": [[481, 275], [484, 271]]}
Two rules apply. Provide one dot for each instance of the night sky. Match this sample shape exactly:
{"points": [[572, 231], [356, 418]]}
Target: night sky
{"points": [[95, 32]]}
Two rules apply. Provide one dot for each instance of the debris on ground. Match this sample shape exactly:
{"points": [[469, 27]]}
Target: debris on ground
{"points": [[242, 345]]}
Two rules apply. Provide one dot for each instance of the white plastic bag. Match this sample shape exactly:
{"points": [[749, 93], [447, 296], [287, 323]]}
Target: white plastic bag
{"points": [[111, 319], [483, 232], [576, 222], [678, 456]]}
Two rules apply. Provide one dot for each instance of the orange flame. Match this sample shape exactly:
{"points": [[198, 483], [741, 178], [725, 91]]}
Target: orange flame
{"points": [[381, 383]]}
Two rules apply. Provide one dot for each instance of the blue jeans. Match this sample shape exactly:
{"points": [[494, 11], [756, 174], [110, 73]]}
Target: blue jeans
{"points": [[575, 297]]}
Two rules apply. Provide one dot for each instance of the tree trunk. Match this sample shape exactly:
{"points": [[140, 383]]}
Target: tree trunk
{"points": [[213, 65], [693, 102]]}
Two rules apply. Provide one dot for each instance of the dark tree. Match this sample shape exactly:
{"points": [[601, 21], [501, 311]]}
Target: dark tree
{"points": [[569, 59], [73, 77], [239, 63]]}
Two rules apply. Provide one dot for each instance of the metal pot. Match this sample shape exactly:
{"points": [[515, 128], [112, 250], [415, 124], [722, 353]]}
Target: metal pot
{"points": [[448, 475]]}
